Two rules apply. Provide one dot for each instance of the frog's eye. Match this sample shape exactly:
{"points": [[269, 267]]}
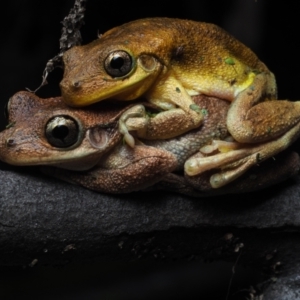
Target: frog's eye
{"points": [[118, 63], [62, 131]]}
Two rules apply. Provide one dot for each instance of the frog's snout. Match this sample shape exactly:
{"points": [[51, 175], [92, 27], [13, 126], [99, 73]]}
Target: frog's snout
{"points": [[71, 91], [70, 85], [5, 144]]}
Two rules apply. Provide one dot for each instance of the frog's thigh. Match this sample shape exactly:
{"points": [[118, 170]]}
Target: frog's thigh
{"points": [[251, 121]]}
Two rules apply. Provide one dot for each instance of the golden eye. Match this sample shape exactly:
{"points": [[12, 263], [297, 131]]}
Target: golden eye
{"points": [[118, 63], [62, 131]]}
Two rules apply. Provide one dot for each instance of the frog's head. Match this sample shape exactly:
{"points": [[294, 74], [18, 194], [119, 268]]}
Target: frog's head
{"points": [[47, 132], [122, 64]]}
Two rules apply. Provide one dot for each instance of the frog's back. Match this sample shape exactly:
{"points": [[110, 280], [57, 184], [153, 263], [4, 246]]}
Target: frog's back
{"points": [[211, 40], [185, 40]]}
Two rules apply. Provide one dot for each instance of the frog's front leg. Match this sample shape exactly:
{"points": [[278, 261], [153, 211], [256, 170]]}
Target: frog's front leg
{"points": [[180, 114], [122, 171]]}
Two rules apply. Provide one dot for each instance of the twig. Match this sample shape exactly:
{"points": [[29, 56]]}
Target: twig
{"points": [[70, 36], [232, 275]]}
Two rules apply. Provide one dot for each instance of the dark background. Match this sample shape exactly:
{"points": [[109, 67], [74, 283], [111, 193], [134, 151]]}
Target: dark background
{"points": [[30, 32]]}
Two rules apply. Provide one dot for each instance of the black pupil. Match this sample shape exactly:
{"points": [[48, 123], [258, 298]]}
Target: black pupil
{"points": [[117, 62], [60, 132]]}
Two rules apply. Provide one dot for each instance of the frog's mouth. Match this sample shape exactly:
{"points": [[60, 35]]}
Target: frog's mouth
{"points": [[17, 148], [126, 90], [86, 91]]}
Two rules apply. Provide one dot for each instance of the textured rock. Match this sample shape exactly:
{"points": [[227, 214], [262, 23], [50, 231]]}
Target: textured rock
{"points": [[46, 221]]}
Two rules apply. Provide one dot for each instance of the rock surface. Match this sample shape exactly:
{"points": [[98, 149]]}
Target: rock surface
{"points": [[51, 222]]}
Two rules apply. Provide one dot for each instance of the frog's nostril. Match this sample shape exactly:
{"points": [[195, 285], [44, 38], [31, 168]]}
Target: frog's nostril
{"points": [[10, 142], [70, 84], [76, 84]]}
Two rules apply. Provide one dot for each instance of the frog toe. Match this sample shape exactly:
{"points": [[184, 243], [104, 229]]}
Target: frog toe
{"points": [[199, 163], [129, 140], [134, 119], [222, 178], [229, 165]]}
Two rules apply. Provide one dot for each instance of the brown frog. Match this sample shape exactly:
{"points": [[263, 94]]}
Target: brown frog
{"points": [[88, 142], [87, 148]]}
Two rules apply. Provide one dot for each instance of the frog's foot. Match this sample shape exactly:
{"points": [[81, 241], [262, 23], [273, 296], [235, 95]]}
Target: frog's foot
{"points": [[270, 172], [233, 163], [134, 118]]}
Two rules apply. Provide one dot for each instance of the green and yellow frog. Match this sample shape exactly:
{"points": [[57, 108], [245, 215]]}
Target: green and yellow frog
{"points": [[168, 61]]}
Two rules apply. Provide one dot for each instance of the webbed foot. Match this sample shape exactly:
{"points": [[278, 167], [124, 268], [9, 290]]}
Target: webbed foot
{"points": [[233, 163], [134, 118]]}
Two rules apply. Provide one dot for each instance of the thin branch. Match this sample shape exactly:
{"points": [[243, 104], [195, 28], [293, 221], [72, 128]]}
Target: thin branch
{"points": [[70, 36]]}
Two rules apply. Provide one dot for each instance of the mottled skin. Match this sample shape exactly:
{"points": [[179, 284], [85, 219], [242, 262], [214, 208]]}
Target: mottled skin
{"points": [[99, 159], [173, 60], [277, 123]]}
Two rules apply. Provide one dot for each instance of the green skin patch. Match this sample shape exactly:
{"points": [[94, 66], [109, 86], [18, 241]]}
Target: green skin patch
{"points": [[197, 109], [10, 125], [229, 61], [204, 111]]}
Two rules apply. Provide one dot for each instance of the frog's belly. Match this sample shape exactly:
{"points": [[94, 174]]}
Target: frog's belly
{"points": [[218, 92], [217, 87]]}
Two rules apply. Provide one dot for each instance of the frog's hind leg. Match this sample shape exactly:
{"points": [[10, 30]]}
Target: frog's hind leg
{"points": [[268, 173], [254, 117], [261, 127], [231, 165]]}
